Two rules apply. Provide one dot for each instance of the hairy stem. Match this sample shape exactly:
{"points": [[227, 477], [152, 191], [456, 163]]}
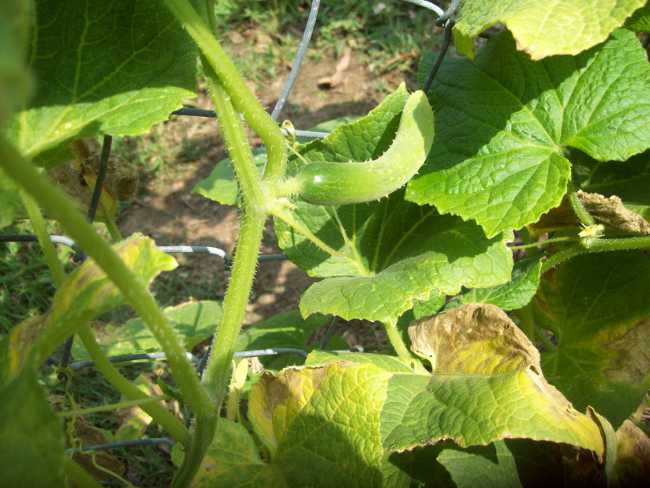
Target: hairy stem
{"points": [[594, 244], [160, 414], [217, 372], [620, 244], [75, 224], [242, 98]]}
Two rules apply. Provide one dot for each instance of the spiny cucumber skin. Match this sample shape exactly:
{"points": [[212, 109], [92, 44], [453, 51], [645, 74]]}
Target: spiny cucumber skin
{"points": [[330, 183]]}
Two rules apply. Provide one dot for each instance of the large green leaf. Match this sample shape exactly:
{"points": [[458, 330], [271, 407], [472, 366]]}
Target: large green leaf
{"points": [[485, 386], [598, 307], [113, 67], [85, 294], [193, 321], [31, 451], [544, 28], [504, 123], [14, 39], [383, 257]]}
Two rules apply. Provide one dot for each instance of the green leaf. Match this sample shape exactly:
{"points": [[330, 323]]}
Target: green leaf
{"points": [[381, 258], [193, 321], [14, 39], [116, 67], [629, 181], [598, 307], [541, 28], [485, 386], [326, 418], [504, 123], [233, 460], [85, 294], [640, 21], [286, 329], [515, 463], [221, 186], [31, 451], [515, 294]]}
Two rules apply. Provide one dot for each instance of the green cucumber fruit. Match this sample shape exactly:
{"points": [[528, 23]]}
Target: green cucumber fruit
{"points": [[328, 183]]}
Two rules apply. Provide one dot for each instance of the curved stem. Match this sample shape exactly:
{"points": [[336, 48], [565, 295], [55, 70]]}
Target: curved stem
{"points": [[160, 414], [561, 256], [396, 340], [242, 98], [584, 217], [75, 224], [40, 229]]}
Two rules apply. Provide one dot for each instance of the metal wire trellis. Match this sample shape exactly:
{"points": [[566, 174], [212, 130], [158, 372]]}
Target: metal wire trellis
{"points": [[444, 18]]}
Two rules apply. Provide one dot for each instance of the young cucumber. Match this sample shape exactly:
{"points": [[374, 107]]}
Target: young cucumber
{"points": [[326, 183]]}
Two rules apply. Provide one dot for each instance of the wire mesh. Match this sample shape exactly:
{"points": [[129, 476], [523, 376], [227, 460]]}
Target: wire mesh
{"points": [[444, 18]]}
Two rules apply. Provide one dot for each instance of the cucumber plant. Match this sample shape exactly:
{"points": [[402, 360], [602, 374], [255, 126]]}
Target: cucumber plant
{"points": [[503, 248]]}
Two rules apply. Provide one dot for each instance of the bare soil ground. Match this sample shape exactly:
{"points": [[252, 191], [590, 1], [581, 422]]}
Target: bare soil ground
{"points": [[167, 210]]}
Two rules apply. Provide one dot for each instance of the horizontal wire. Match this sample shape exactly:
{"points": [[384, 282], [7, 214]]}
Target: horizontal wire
{"points": [[200, 112], [160, 356], [171, 249], [117, 445]]}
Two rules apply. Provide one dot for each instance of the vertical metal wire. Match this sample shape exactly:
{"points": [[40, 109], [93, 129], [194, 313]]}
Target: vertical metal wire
{"points": [[297, 61]]}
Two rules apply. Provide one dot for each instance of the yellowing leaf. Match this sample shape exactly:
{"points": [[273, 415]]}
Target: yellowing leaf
{"points": [[598, 308], [85, 294], [485, 386], [544, 28]]}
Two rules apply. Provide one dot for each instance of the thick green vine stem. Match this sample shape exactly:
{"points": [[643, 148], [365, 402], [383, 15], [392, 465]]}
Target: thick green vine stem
{"points": [[620, 244], [216, 376], [242, 97], [396, 340], [595, 244], [217, 372], [75, 224]]}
